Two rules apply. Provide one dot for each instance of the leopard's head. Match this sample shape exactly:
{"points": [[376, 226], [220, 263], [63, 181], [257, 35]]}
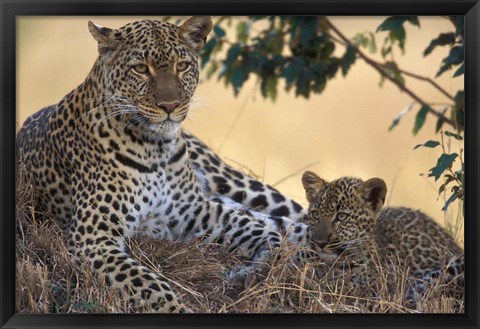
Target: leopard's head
{"points": [[147, 71], [342, 212]]}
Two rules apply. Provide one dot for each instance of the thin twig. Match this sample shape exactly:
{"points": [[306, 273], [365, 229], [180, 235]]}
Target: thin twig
{"points": [[295, 172], [235, 121], [418, 77], [427, 79]]}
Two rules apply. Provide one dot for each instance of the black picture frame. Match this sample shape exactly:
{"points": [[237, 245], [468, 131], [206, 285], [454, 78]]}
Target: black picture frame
{"points": [[11, 8]]}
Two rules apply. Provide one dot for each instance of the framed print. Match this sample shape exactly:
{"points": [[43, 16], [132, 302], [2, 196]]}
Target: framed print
{"points": [[269, 165]]}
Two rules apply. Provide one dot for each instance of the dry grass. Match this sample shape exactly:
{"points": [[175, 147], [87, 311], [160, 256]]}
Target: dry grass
{"points": [[50, 281]]}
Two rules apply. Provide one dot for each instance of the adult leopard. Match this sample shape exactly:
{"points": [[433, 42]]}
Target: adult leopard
{"points": [[110, 159]]}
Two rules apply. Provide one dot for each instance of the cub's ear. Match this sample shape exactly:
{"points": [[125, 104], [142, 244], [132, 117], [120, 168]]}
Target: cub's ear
{"points": [[373, 191], [312, 184], [104, 36], [195, 30]]}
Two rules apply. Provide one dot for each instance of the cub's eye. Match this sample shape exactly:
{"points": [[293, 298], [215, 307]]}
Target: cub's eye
{"points": [[341, 216], [140, 68], [183, 66], [315, 214]]}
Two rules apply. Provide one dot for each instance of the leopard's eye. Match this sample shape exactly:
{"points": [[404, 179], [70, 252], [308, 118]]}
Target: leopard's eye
{"points": [[183, 66], [140, 69], [315, 214], [341, 216]]}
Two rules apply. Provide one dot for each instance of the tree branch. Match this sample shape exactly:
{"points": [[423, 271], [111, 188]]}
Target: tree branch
{"points": [[427, 79], [380, 68]]}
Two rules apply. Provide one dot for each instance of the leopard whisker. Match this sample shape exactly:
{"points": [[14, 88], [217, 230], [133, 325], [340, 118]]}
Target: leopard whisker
{"points": [[135, 121], [116, 113], [109, 108], [113, 100]]}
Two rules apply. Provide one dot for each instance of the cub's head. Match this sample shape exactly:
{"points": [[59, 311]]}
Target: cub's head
{"points": [[343, 211], [149, 69]]}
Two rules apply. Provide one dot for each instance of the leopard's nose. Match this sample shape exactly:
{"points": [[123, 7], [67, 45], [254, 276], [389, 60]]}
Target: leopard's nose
{"points": [[168, 107]]}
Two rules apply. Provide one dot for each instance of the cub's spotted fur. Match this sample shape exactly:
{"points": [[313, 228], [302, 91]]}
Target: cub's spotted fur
{"points": [[110, 160], [347, 214]]}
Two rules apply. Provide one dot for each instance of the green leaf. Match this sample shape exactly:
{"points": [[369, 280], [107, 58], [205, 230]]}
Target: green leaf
{"points": [[392, 23], [443, 163], [448, 180], [386, 51], [398, 35], [348, 59], [320, 82], [455, 57], [308, 25], [420, 119], [206, 51], [372, 45], [456, 136], [233, 53], [327, 49], [430, 144], [459, 99], [391, 69], [360, 39], [365, 41], [442, 40], [303, 85], [452, 198], [458, 111], [239, 76], [441, 119], [459, 173], [290, 73], [242, 31], [332, 68], [459, 71], [459, 22], [269, 87], [219, 32], [442, 188], [413, 20], [396, 22], [399, 117]]}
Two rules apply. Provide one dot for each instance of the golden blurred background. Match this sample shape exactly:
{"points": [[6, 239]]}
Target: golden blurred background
{"points": [[343, 131]]}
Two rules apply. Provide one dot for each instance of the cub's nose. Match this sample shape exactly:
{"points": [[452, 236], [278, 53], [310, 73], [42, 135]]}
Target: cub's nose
{"points": [[168, 107], [321, 241], [321, 244]]}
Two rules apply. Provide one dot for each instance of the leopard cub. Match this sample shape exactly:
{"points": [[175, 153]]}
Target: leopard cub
{"points": [[346, 216]]}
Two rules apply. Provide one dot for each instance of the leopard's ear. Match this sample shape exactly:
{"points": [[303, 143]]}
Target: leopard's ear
{"points": [[373, 191], [104, 36], [312, 184], [195, 31]]}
